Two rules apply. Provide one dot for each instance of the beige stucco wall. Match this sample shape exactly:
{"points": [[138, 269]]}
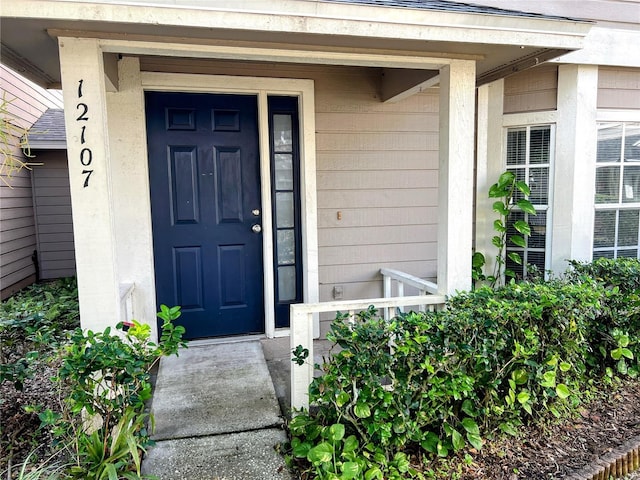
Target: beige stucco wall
{"points": [[377, 172]]}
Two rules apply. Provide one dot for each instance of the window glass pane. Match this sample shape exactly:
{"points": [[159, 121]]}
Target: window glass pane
{"points": [[514, 217], [536, 259], [520, 174], [631, 253], [286, 283], [284, 171], [539, 185], [517, 269], [609, 142], [282, 134], [603, 254], [608, 185], [538, 224], [539, 144], [516, 146], [604, 229], [286, 247], [631, 184], [628, 228], [632, 142], [284, 210]]}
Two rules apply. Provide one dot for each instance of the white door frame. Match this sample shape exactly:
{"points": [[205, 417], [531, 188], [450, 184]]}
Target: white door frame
{"points": [[262, 87]]}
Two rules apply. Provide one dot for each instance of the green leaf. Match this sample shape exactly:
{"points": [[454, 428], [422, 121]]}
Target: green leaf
{"points": [[430, 442], [498, 226], [508, 428], [475, 440], [321, 453], [470, 426], [548, 379], [562, 391], [523, 397], [617, 353], [350, 444], [336, 432], [457, 440], [301, 450], [523, 227], [627, 353], [526, 206], [478, 260], [342, 399], [565, 366], [374, 473], [506, 179], [442, 450], [350, 470], [468, 408], [520, 376], [401, 461], [362, 410], [518, 240], [523, 187], [497, 241], [501, 208], [515, 258]]}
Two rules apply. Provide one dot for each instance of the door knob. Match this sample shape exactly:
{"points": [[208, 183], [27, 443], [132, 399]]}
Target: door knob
{"points": [[256, 228]]}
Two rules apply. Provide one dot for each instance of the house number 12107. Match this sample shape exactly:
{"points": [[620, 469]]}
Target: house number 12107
{"points": [[86, 155]]}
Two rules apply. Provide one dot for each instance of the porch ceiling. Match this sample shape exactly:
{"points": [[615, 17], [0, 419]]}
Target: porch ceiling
{"points": [[500, 43]]}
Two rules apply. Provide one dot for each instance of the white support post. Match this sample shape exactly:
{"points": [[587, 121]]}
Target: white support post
{"points": [[455, 187], [489, 165], [85, 110], [575, 162], [301, 375]]}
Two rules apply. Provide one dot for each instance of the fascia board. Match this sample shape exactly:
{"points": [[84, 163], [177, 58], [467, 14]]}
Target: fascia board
{"points": [[325, 19]]}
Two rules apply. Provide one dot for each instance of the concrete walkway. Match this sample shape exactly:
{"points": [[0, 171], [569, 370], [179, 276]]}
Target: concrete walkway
{"points": [[217, 416]]}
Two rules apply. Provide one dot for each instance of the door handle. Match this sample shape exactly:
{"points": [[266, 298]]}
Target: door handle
{"points": [[256, 228]]}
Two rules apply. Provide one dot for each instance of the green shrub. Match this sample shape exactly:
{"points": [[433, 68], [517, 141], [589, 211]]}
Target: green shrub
{"points": [[437, 382]]}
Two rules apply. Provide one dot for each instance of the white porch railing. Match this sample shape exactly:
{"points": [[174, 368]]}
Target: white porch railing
{"points": [[126, 301], [302, 332], [391, 277]]}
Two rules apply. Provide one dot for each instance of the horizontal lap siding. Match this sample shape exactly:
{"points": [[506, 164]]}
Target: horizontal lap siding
{"points": [[533, 90], [17, 225], [377, 165], [619, 88], [53, 213]]}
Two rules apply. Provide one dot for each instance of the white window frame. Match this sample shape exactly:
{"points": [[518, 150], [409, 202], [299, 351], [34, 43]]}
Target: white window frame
{"points": [[615, 116], [518, 121]]}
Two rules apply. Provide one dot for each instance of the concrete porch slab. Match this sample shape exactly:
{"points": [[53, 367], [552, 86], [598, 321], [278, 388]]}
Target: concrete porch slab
{"points": [[237, 456], [214, 389]]}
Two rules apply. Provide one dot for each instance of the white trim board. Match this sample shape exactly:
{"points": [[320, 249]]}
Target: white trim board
{"points": [[263, 87]]}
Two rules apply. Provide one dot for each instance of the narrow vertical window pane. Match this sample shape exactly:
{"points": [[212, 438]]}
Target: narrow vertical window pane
{"points": [[608, 185], [628, 228], [286, 283], [609, 142], [286, 247], [284, 210], [521, 176], [538, 224], [539, 145], [632, 142], [516, 147], [631, 184], [538, 182], [282, 133], [284, 171], [604, 228]]}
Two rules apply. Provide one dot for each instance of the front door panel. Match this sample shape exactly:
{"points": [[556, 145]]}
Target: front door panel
{"points": [[204, 174]]}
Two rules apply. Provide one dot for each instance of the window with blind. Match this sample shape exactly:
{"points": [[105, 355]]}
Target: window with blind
{"points": [[617, 200], [529, 155]]}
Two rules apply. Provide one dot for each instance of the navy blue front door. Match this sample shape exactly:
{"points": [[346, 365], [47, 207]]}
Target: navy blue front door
{"points": [[204, 174]]}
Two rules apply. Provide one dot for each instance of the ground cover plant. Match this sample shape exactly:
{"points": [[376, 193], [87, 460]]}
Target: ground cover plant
{"points": [[425, 392], [74, 401]]}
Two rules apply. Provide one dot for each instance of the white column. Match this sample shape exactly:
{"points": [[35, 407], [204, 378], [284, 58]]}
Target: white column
{"points": [[455, 178], [83, 86], [574, 186], [130, 179], [490, 164]]}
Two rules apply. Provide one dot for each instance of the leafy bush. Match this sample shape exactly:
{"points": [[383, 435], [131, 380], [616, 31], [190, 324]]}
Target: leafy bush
{"points": [[33, 324], [437, 382]]}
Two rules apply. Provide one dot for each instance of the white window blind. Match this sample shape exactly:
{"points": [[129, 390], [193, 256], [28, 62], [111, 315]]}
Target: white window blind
{"points": [[529, 155], [617, 200]]}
